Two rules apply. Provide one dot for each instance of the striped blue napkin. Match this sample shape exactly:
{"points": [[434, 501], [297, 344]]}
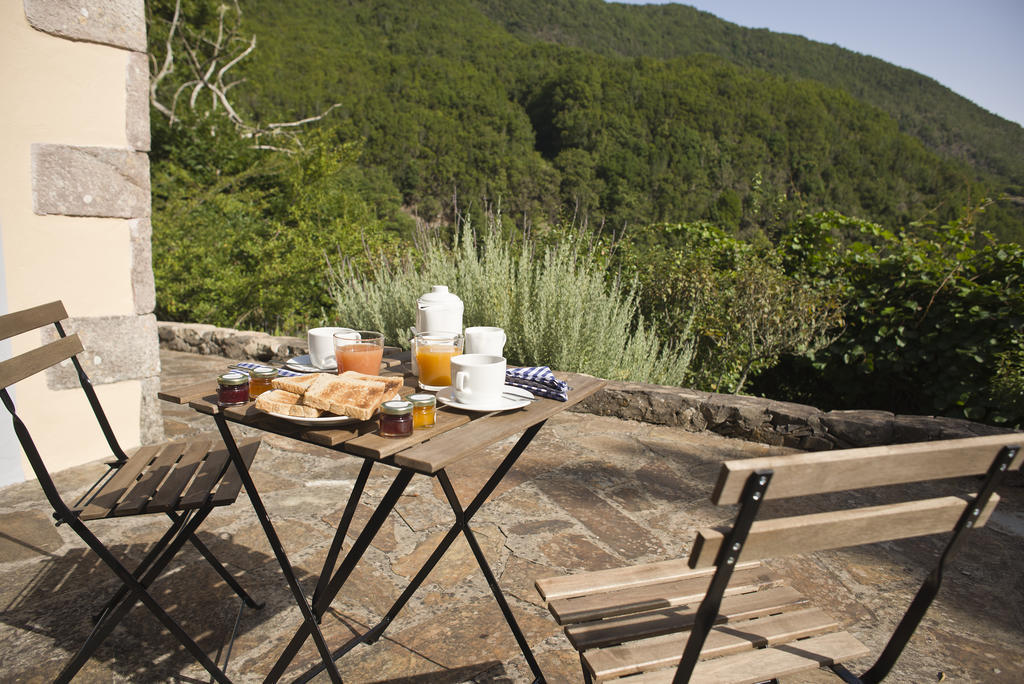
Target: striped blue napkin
{"points": [[539, 380], [281, 372]]}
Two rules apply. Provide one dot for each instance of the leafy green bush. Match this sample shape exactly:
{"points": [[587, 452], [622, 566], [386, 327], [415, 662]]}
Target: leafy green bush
{"points": [[934, 319], [555, 304], [249, 248], [729, 301]]}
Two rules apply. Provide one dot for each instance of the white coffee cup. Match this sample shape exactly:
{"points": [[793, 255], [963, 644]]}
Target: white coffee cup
{"points": [[485, 340], [477, 378], [321, 346]]}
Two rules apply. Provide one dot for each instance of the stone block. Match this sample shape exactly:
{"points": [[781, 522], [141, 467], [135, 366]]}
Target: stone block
{"points": [[860, 428], [906, 429], [120, 23], [90, 181], [137, 102], [151, 421], [735, 415], [143, 285], [815, 443], [117, 348]]}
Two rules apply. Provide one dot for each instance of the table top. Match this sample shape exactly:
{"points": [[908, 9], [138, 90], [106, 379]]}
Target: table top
{"points": [[455, 435]]}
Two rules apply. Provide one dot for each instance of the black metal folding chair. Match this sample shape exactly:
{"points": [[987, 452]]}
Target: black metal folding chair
{"points": [[184, 480]]}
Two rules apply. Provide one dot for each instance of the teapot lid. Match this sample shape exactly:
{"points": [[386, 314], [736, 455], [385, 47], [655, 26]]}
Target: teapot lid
{"points": [[439, 294]]}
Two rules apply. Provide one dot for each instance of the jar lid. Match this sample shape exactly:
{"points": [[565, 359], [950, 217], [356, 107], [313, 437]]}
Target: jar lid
{"points": [[263, 372], [399, 407], [422, 399], [233, 378]]}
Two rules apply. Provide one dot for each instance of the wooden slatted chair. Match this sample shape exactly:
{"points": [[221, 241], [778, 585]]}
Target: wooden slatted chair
{"points": [[183, 480], [712, 618]]}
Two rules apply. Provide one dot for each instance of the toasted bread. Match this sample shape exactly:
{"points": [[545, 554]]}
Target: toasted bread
{"points": [[392, 383], [285, 403], [350, 394], [295, 384]]}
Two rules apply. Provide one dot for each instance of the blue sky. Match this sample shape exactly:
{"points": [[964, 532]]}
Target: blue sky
{"points": [[973, 47]]}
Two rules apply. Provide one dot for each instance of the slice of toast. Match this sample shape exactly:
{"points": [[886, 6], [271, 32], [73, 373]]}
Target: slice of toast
{"points": [[391, 383], [285, 403], [295, 384], [350, 394]]}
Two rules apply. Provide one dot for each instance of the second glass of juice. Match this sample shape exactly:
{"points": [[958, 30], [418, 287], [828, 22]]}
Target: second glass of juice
{"points": [[362, 351], [434, 351]]}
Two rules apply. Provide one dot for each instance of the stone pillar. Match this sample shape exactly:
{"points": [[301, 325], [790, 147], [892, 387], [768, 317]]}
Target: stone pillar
{"points": [[75, 212]]}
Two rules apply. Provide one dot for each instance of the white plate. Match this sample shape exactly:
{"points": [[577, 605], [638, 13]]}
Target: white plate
{"points": [[322, 421], [303, 365], [505, 403]]}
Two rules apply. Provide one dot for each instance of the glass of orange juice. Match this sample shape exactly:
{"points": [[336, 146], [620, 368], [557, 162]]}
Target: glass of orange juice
{"points": [[434, 351], [361, 350]]}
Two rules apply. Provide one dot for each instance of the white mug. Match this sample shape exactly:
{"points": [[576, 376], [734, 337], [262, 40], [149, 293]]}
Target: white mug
{"points": [[477, 378], [485, 340], [321, 346]]}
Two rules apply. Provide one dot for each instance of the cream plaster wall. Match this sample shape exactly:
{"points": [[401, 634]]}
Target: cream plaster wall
{"points": [[58, 91]]}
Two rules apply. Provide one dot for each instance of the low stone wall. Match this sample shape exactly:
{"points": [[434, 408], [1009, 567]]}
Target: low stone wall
{"points": [[778, 423], [239, 345]]}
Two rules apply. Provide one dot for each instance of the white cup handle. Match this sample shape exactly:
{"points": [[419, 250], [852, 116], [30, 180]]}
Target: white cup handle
{"points": [[460, 381]]}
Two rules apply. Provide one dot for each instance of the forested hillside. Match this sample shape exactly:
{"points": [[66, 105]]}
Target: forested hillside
{"points": [[943, 120], [626, 114], [644, 193]]}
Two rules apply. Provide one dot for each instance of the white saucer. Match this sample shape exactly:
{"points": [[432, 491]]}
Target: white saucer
{"points": [[303, 365], [505, 403]]}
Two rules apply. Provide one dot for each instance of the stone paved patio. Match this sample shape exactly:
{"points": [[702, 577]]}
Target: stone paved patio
{"points": [[590, 492]]}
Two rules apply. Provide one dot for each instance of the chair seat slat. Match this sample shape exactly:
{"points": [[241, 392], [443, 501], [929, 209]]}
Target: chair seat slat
{"points": [[666, 651], [230, 484], [39, 359], [768, 663], [833, 471], [835, 529], [654, 596], [149, 480], [210, 471], [654, 623], [111, 493], [169, 494], [564, 586]]}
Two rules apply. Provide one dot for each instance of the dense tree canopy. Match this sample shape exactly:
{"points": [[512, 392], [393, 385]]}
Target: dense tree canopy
{"points": [[632, 114]]}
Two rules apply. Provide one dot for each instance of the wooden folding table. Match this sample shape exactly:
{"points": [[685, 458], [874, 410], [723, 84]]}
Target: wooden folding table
{"points": [[427, 452]]}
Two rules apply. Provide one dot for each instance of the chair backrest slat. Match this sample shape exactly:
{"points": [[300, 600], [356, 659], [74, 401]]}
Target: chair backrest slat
{"points": [[39, 359], [836, 529], [834, 471], [20, 322]]}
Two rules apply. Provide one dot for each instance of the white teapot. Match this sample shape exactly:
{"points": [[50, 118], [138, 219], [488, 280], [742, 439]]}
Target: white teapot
{"points": [[439, 311]]}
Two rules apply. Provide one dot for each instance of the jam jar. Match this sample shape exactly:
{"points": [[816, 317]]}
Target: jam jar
{"points": [[396, 418], [232, 388], [260, 379], [424, 408]]}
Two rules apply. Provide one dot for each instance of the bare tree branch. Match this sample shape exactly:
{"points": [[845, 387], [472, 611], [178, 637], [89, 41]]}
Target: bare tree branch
{"points": [[209, 60]]}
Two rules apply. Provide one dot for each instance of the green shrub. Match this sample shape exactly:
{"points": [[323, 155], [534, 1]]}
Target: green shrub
{"points": [[248, 248], [729, 301], [935, 319], [554, 303]]}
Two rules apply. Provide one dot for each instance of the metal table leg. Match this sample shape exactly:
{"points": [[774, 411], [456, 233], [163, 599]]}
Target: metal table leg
{"points": [[275, 544], [324, 599], [339, 536], [462, 518]]}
